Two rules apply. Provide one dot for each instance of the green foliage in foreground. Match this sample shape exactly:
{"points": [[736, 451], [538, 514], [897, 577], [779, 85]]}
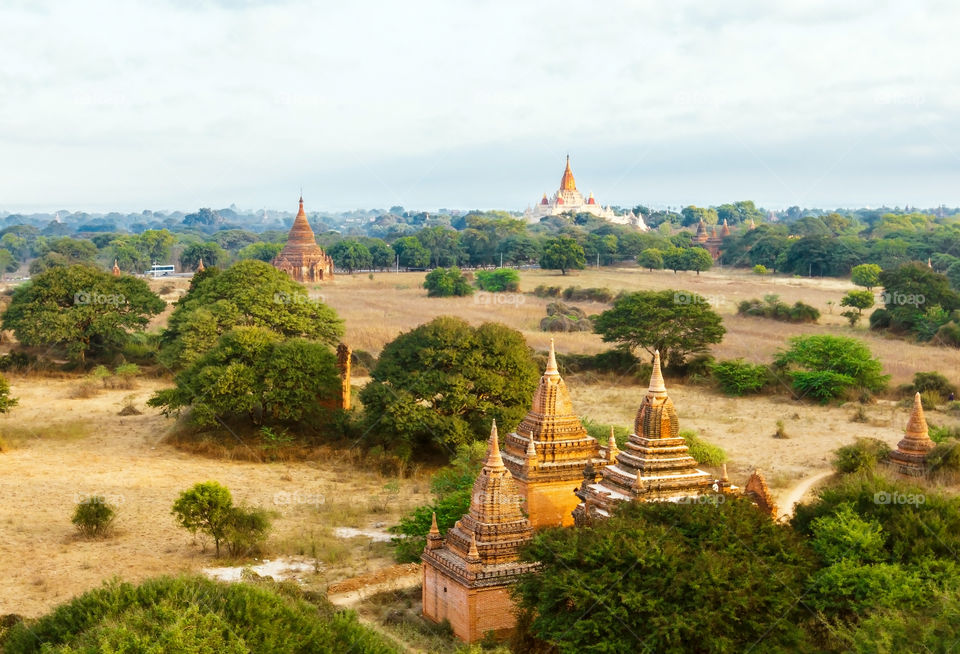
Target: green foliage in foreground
{"points": [[192, 614], [825, 367], [451, 487], [6, 402], [705, 453], [862, 456]]}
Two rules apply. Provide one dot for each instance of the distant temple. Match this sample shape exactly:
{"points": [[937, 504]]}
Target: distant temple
{"points": [[910, 456], [467, 575], [569, 199], [549, 450], [301, 257], [711, 242]]}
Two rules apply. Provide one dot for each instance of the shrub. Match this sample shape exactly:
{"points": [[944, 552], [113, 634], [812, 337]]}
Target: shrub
{"points": [[17, 360], [246, 530], [945, 456], [499, 280], [447, 282], [618, 360], [932, 381], [781, 432], [772, 307], [577, 294], [737, 377], [547, 291], [126, 375], [601, 432], [862, 456], [565, 318], [825, 366], [930, 400], [6, 402], [705, 453], [207, 508], [941, 434], [93, 516], [760, 269]]}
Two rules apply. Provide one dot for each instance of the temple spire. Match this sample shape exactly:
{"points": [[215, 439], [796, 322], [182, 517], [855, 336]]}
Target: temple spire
{"points": [[567, 182], [551, 361], [200, 267], [656, 377], [917, 424], [474, 553], [434, 530], [494, 460], [116, 269]]}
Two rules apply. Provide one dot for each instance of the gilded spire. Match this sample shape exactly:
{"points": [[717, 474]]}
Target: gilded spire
{"points": [[656, 377], [494, 460], [917, 424], [612, 448], [566, 182], [551, 361]]}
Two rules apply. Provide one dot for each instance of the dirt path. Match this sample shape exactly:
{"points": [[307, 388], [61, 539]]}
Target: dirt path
{"points": [[797, 493]]}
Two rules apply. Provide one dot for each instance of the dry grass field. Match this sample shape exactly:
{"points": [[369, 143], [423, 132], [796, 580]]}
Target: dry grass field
{"points": [[60, 448]]}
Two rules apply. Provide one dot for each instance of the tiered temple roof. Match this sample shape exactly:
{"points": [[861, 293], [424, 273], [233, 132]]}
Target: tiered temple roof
{"points": [[482, 548], [655, 464], [551, 448], [301, 257], [909, 457]]}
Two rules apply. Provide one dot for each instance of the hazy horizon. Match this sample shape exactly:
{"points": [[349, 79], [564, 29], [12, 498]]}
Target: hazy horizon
{"points": [[170, 106]]}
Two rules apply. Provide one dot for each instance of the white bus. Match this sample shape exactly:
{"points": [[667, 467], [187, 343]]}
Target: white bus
{"points": [[161, 271]]}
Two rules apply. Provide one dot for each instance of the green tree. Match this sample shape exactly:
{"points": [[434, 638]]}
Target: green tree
{"points": [[439, 385], [351, 255], [447, 282], [248, 293], [651, 259], [443, 243], [8, 263], [678, 323], [563, 253], [910, 291], [266, 252], [499, 280], [6, 402], [953, 275], [211, 254], [693, 215], [635, 582], [675, 259], [207, 508], [411, 252], [382, 255], [253, 376], [826, 366], [81, 309], [858, 301], [697, 259]]}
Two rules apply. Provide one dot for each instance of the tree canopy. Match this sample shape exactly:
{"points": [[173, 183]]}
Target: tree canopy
{"points": [[563, 253]]}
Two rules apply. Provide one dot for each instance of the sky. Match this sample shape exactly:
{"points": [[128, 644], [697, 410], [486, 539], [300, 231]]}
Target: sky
{"points": [[179, 104]]}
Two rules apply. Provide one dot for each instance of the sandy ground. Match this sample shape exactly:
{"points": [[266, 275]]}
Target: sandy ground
{"points": [[42, 563]]}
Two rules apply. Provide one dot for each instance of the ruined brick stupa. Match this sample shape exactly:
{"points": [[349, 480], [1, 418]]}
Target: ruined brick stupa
{"points": [[909, 457]]}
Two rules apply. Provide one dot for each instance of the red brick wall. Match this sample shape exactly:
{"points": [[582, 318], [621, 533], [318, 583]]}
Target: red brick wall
{"points": [[471, 612]]}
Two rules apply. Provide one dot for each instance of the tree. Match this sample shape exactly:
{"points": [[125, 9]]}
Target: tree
{"points": [[651, 259], [351, 255], [911, 291], [825, 366], [499, 280], [563, 253], [8, 263], [697, 259], [6, 402], [265, 252], [411, 252], [443, 243], [447, 282], [441, 384], [953, 275], [693, 215], [211, 254], [675, 259], [678, 323], [635, 582], [253, 376], [381, 254], [248, 293], [207, 508], [858, 300], [81, 309]]}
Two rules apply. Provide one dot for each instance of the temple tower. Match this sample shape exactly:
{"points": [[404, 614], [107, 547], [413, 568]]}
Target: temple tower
{"points": [[467, 575], [910, 456], [301, 257], [655, 464], [116, 269], [549, 450]]}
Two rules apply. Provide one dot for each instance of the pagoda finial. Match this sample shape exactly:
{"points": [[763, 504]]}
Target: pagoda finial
{"points": [[116, 269], [434, 530], [474, 553], [656, 376], [917, 424], [724, 478], [494, 460], [551, 361], [200, 267]]}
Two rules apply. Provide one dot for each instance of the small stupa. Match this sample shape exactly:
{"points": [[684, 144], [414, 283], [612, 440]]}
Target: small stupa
{"points": [[301, 257], [116, 269], [909, 457], [200, 267]]}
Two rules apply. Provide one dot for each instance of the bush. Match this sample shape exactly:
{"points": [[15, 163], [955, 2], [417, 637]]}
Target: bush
{"points": [[862, 456], [565, 318], [737, 377], [601, 432], [126, 374], [772, 307], [93, 516], [193, 614], [17, 360], [577, 294], [945, 456], [760, 269], [6, 402], [826, 367], [447, 282], [247, 529], [618, 360], [208, 508], [499, 280], [547, 291], [932, 381], [941, 434], [705, 453], [930, 400]]}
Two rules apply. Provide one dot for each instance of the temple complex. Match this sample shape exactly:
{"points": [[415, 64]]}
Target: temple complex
{"points": [[654, 466], [301, 257], [910, 456], [549, 450], [568, 199], [467, 575], [711, 241]]}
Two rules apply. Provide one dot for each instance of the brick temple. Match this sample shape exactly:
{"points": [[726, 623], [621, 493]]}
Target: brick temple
{"points": [[467, 575], [910, 456], [549, 450], [301, 257]]}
